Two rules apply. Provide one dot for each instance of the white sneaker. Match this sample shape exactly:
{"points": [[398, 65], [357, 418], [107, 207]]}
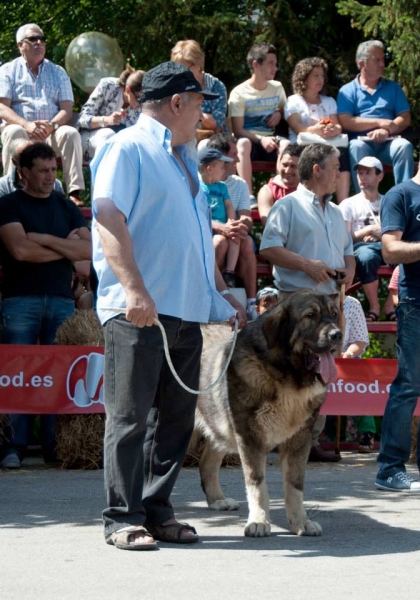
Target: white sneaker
{"points": [[251, 312], [10, 461]]}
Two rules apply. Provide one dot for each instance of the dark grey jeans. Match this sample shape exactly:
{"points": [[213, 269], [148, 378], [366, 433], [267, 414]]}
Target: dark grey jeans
{"points": [[149, 417]]}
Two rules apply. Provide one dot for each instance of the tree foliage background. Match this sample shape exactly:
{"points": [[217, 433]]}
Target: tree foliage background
{"points": [[146, 31]]}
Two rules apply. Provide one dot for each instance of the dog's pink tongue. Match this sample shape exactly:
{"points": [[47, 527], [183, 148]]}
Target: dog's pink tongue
{"points": [[327, 368]]}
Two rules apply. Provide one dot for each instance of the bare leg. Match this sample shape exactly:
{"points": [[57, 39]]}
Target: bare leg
{"points": [[233, 254], [244, 166], [221, 245], [389, 305], [343, 186], [371, 291], [247, 267]]}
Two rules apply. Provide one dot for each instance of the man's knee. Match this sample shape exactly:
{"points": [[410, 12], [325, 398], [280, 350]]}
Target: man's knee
{"points": [[358, 149], [244, 146], [401, 148], [13, 132], [247, 247]]}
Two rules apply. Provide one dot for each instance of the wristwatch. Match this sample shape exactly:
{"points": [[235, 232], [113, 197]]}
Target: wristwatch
{"points": [[55, 125], [102, 122]]}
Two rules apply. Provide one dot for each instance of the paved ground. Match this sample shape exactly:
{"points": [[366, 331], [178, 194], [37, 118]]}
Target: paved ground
{"points": [[51, 544]]}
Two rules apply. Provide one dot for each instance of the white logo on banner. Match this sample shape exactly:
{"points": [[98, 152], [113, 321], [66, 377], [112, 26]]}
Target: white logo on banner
{"points": [[84, 383]]}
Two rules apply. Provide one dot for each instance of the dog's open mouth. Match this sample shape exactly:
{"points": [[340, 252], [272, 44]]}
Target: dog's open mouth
{"points": [[323, 364]]}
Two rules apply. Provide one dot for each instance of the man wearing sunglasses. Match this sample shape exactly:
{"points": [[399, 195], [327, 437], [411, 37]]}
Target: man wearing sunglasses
{"points": [[36, 102]]}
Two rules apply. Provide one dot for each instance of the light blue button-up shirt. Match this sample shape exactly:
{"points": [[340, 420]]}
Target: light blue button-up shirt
{"points": [[35, 98], [169, 228], [298, 223]]}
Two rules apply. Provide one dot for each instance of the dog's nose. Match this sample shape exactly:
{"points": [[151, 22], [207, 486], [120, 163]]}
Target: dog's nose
{"points": [[335, 335]]}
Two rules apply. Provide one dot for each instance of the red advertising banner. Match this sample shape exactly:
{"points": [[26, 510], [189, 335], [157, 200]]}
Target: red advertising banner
{"points": [[51, 379], [69, 380]]}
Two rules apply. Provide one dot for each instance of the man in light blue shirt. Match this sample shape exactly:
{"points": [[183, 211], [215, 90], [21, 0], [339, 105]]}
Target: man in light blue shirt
{"points": [[306, 240], [36, 102], [154, 258]]}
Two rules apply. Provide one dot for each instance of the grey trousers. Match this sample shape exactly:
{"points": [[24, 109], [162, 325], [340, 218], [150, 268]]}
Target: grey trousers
{"points": [[149, 417]]}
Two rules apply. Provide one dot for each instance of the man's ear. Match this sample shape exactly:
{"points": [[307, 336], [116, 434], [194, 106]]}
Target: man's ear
{"points": [[380, 176], [176, 102], [24, 172]]}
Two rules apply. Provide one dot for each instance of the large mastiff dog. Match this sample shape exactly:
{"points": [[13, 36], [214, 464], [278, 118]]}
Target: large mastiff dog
{"points": [[274, 388]]}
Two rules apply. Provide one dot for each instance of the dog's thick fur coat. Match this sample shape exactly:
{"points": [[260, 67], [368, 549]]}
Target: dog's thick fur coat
{"points": [[271, 395]]}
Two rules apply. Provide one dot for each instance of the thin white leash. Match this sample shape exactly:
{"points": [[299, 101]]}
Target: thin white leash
{"points": [[168, 357]]}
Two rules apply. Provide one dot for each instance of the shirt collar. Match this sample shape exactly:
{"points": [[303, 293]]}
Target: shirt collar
{"points": [[363, 87], [310, 196], [159, 131]]}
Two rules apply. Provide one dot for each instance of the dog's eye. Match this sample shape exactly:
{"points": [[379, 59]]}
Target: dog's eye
{"points": [[334, 314], [310, 314]]}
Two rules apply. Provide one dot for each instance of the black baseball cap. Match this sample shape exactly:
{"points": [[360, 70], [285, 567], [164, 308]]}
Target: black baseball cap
{"points": [[207, 155], [171, 78]]}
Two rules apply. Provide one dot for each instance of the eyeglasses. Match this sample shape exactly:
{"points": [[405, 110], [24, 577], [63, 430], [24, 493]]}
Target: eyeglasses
{"points": [[35, 38]]}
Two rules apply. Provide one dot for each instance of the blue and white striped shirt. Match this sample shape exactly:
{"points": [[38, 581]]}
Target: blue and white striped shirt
{"points": [[35, 98], [169, 228]]}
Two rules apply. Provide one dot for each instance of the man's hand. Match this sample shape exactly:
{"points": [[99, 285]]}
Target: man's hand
{"points": [[114, 118], [240, 311], [274, 119], [141, 310], [73, 235], [37, 130], [346, 276], [378, 135], [237, 229], [269, 143], [318, 271]]}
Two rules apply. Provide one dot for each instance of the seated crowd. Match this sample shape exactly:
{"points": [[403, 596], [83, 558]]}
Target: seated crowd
{"points": [[309, 240]]}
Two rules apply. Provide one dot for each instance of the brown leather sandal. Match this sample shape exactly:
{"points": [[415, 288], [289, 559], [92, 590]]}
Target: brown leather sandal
{"points": [[173, 533], [124, 541]]}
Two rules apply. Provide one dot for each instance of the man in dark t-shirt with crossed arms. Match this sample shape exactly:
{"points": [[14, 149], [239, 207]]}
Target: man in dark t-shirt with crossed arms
{"points": [[42, 234]]}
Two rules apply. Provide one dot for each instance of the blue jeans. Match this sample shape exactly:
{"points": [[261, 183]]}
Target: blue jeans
{"points": [[405, 390], [27, 319], [398, 153], [368, 257], [149, 417]]}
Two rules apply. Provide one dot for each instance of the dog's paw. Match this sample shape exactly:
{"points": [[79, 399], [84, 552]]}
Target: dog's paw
{"points": [[225, 504], [309, 528], [257, 529]]}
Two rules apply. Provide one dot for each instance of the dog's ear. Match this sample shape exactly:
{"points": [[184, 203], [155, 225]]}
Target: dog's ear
{"points": [[274, 325]]}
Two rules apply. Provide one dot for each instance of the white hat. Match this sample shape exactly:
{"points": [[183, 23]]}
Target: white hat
{"points": [[371, 162]]}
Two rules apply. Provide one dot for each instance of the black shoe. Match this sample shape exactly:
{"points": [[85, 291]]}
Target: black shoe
{"points": [[366, 443], [317, 454], [229, 278]]}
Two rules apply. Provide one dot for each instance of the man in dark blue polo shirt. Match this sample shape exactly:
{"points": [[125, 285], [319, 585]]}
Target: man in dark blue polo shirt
{"points": [[400, 219]]}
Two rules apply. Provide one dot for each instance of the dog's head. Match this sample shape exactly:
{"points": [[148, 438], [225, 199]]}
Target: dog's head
{"points": [[304, 328]]}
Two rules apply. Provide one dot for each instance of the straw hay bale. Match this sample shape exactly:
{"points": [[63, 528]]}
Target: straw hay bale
{"points": [[80, 441], [2, 427]]}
